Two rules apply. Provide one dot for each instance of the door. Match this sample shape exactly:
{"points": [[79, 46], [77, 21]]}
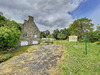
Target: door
{"points": [[24, 43], [35, 42]]}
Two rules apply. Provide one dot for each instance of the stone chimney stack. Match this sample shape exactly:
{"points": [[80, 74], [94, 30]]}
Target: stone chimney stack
{"points": [[25, 21], [31, 18]]}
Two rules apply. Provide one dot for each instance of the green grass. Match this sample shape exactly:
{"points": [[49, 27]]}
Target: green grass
{"points": [[5, 55], [76, 62]]}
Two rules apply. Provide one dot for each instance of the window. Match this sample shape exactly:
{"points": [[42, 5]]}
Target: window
{"points": [[35, 36], [24, 35]]}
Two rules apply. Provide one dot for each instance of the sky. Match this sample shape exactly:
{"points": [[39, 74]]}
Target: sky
{"points": [[51, 14]]}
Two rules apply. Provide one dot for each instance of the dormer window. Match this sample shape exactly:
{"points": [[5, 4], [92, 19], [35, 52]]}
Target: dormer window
{"points": [[35, 36], [24, 35]]}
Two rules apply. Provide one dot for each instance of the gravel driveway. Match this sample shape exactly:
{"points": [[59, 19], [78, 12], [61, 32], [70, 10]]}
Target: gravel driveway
{"points": [[37, 60]]}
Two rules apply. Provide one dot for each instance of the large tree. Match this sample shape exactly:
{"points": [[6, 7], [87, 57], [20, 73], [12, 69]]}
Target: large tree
{"points": [[55, 33], [61, 36], [65, 32], [47, 32], [44, 34], [81, 27], [50, 36]]}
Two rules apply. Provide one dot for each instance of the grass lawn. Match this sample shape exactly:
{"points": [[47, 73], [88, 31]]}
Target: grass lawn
{"points": [[5, 55], [75, 62]]}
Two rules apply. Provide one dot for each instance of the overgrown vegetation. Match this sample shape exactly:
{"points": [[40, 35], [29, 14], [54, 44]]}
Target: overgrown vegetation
{"points": [[45, 34], [57, 34], [5, 55], [9, 33], [81, 27], [61, 34], [97, 33], [76, 62]]}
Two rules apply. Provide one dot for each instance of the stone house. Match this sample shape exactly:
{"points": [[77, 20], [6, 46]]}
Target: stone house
{"points": [[30, 33]]}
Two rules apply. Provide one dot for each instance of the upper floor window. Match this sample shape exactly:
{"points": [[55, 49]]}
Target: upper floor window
{"points": [[24, 35], [35, 36]]}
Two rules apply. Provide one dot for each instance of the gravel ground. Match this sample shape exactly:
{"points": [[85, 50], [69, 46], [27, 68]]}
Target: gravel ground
{"points": [[37, 60]]}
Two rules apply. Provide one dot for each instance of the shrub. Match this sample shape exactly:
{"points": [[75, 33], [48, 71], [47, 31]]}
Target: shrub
{"points": [[8, 37], [9, 33]]}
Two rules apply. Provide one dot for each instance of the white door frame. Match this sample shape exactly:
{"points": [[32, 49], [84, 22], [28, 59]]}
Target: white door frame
{"points": [[24, 43], [35, 42]]}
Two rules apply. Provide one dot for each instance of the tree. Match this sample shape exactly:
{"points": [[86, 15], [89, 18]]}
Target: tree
{"points": [[8, 37], [61, 36], [50, 36], [47, 32], [9, 33], [44, 34], [97, 33], [55, 33], [3, 20], [1, 13], [65, 32], [92, 37], [81, 27]]}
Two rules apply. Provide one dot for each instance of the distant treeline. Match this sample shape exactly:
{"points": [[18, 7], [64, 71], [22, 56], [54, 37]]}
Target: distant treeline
{"points": [[57, 34], [79, 27]]}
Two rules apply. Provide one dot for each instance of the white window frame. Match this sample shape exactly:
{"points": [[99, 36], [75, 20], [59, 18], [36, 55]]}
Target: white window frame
{"points": [[35, 36]]}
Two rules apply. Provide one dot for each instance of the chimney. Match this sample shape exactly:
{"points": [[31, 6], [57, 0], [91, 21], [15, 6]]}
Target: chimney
{"points": [[25, 21], [31, 18]]}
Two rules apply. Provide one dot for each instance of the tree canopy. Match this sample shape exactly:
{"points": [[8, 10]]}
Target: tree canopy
{"points": [[61, 34], [55, 33], [81, 27], [97, 33], [9, 33], [44, 34]]}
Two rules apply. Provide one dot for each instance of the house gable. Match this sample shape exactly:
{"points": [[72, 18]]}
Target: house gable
{"points": [[30, 32]]}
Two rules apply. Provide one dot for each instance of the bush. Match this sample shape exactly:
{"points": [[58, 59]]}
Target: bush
{"points": [[8, 38], [9, 33]]}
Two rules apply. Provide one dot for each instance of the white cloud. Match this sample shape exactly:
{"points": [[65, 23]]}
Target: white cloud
{"points": [[51, 14]]}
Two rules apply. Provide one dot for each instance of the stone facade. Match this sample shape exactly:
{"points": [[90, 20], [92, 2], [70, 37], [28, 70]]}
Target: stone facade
{"points": [[30, 33]]}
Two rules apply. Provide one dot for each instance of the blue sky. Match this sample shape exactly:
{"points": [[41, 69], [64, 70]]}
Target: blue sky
{"points": [[89, 9]]}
